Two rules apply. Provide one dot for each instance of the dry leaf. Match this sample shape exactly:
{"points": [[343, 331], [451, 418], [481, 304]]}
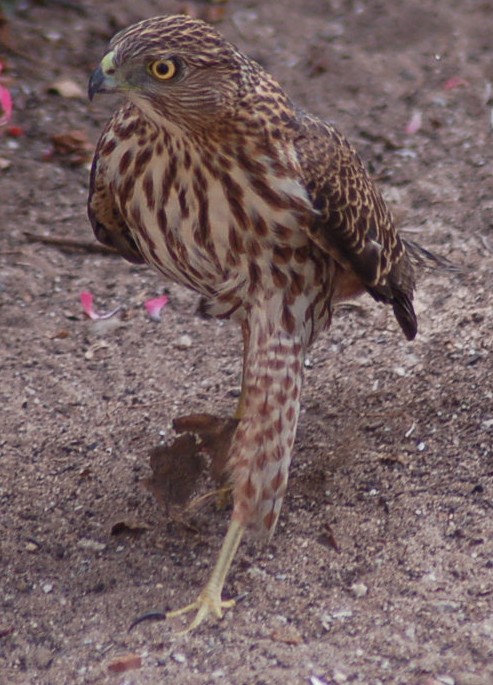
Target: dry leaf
{"points": [[328, 538], [175, 470], [125, 663], [66, 88], [101, 345], [288, 636], [212, 13], [70, 146], [60, 334], [215, 434], [129, 525]]}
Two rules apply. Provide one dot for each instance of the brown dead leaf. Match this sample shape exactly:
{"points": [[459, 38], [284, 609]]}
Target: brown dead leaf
{"points": [[328, 538], [129, 525], [60, 334], [4, 632], [175, 470], [215, 434], [288, 635], [212, 13], [125, 663], [72, 147]]}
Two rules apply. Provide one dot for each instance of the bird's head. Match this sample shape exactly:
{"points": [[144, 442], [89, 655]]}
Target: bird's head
{"points": [[174, 66]]}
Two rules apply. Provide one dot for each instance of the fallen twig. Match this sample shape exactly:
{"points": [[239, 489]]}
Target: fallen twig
{"points": [[70, 244]]}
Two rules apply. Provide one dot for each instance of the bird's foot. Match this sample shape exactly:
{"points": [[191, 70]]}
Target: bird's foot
{"points": [[208, 603]]}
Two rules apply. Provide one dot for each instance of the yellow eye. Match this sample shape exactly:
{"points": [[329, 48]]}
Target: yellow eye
{"points": [[162, 69]]}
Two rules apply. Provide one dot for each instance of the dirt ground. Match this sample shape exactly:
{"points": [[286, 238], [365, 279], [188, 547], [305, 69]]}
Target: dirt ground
{"points": [[381, 570]]}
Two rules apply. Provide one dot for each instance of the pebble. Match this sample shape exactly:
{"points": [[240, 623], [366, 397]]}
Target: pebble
{"points": [[218, 673], [446, 679], [40, 657], [184, 342], [93, 545], [469, 679], [179, 658], [359, 590], [316, 681]]}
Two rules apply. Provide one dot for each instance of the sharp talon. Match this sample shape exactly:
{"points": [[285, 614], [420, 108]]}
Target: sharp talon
{"points": [[149, 616], [240, 598]]}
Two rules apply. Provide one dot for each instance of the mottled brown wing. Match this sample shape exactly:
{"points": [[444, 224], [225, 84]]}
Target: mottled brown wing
{"points": [[107, 222], [354, 225]]}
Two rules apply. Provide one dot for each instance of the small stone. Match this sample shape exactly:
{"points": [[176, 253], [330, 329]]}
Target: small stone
{"points": [[316, 681], [342, 613], [41, 657], [218, 673], [47, 588], [446, 679], [93, 545], [31, 547], [339, 677], [359, 590], [447, 606], [179, 658], [469, 679], [184, 342]]}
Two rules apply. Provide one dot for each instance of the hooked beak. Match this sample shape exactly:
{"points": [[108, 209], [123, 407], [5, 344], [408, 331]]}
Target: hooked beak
{"points": [[102, 79]]}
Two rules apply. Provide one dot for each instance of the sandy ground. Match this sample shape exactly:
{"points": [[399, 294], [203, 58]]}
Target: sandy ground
{"points": [[381, 570]]}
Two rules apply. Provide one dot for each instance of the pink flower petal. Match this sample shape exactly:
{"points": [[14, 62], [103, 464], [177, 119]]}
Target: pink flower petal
{"points": [[5, 106], [87, 302], [154, 306], [455, 82], [414, 123]]}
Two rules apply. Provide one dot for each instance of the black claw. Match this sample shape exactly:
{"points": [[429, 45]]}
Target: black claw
{"points": [[149, 616], [240, 598]]}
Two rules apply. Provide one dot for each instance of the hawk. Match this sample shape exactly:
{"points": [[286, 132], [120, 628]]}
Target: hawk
{"points": [[209, 173]]}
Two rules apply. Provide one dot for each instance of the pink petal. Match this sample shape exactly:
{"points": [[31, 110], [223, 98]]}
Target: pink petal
{"points": [[86, 300], [454, 82], [5, 105], [154, 306], [414, 123]]}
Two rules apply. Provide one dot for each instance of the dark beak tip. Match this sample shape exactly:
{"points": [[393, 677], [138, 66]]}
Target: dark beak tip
{"points": [[95, 83]]}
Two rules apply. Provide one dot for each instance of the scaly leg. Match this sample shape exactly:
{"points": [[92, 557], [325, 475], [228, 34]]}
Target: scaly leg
{"points": [[209, 601]]}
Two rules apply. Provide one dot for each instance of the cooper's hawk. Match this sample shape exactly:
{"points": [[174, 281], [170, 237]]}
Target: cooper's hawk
{"points": [[209, 173]]}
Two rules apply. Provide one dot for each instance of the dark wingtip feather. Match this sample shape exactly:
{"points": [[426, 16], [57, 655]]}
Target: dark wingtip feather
{"points": [[421, 258], [406, 317]]}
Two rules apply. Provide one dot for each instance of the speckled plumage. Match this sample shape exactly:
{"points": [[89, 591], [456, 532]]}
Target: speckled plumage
{"points": [[220, 183]]}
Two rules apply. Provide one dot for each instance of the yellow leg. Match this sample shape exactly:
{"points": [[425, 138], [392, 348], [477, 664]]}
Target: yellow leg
{"points": [[209, 601]]}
